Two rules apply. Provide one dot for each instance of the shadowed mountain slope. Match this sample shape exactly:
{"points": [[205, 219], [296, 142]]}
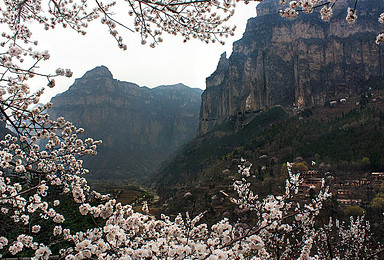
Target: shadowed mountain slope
{"points": [[139, 126]]}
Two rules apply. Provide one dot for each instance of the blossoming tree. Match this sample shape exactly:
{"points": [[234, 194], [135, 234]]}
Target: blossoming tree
{"points": [[40, 163]]}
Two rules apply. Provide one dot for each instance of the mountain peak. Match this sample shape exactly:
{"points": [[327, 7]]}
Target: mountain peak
{"points": [[137, 124], [268, 7], [223, 62], [99, 72]]}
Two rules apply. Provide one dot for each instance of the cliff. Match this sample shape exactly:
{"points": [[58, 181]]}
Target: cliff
{"points": [[140, 127], [295, 62]]}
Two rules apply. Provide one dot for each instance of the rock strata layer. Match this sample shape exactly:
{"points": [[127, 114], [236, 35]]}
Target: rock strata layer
{"points": [[295, 62]]}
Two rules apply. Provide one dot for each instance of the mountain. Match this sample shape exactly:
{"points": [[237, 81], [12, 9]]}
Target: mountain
{"points": [[4, 130], [140, 127], [345, 140], [295, 62], [292, 90]]}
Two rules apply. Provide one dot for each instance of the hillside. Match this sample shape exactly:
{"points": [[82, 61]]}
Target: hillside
{"points": [[338, 137]]}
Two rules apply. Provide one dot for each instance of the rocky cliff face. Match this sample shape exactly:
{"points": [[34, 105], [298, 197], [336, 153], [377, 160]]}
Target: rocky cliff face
{"points": [[140, 127], [295, 62]]}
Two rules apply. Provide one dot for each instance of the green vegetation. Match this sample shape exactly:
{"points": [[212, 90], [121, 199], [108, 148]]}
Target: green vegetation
{"points": [[354, 211], [377, 203], [300, 167], [346, 140], [204, 151]]}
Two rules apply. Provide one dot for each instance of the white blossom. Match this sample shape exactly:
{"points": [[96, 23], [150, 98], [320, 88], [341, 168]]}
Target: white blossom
{"points": [[43, 252], [36, 229], [351, 16]]}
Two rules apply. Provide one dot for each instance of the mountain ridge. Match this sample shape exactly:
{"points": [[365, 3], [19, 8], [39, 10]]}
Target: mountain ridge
{"points": [[139, 126]]}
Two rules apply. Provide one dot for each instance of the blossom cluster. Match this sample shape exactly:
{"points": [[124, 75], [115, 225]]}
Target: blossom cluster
{"points": [[326, 12], [380, 37], [202, 20], [131, 235], [41, 153]]}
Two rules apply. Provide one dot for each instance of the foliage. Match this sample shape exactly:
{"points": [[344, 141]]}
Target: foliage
{"points": [[205, 150], [365, 161], [300, 167], [284, 169], [354, 211], [377, 202], [335, 138]]}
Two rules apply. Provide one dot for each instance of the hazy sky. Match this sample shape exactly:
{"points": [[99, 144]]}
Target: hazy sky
{"points": [[170, 62]]}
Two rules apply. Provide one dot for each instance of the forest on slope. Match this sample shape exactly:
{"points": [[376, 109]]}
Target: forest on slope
{"points": [[344, 140]]}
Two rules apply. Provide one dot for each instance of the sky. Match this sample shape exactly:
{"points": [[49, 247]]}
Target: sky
{"points": [[170, 62]]}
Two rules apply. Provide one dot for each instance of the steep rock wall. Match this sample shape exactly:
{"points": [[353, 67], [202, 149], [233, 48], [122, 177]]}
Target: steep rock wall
{"points": [[294, 62]]}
